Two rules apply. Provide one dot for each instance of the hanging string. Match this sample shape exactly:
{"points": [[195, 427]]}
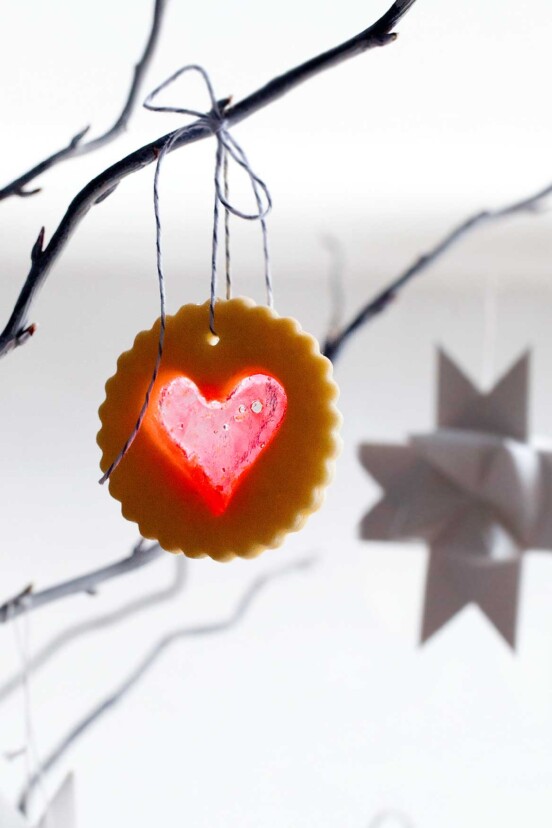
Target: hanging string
{"points": [[163, 311], [227, 229], [214, 250], [32, 761], [227, 147], [490, 331]]}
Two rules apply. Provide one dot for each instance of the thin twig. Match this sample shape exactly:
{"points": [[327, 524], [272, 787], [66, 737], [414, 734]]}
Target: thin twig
{"points": [[75, 147], [101, 622], [381, 301], [17, 329], [148, 662], [28, 600]]}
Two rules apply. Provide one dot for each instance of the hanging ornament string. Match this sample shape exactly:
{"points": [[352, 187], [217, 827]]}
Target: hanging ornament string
{"points": [[227, 147], [32, 760], [490, 330], [227, 237]]}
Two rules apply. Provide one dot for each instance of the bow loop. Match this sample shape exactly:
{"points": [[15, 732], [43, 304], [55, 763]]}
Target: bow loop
{"points": [[215, 121]]}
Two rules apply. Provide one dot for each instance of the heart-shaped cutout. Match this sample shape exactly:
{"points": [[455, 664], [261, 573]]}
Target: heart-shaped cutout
{"points": [[218, 441]]}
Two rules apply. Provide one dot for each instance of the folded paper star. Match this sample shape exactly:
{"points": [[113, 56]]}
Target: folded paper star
{"points": [[475, 490], [60, 812]]}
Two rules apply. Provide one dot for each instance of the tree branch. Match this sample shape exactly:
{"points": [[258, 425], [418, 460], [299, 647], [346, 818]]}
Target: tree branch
{"points": [[148, 662], [75, 147], [27, 601], [101, 622], [334, 344], [17, 329]]}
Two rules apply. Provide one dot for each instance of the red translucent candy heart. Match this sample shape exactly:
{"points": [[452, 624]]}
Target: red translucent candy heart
{"points": [[218, 441]]}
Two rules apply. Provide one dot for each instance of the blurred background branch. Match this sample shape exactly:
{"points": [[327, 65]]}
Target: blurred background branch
{"points": [[76, 147], [77, 631], [167, 641], [27, 600], [334, 343]]}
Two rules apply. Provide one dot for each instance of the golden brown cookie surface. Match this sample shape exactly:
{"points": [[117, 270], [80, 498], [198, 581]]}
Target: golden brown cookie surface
{"points": [[240, 437]]}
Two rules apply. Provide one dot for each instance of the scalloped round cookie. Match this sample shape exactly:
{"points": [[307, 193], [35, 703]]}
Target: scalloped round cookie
{"points": [[240, 437]]}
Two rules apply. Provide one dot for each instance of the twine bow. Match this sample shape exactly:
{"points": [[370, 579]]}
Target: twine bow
{"points": [[227, 147]]}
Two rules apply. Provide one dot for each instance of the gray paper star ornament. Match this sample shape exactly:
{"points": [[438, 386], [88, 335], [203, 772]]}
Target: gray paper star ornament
{"points": [[60, 812], [474, 489]]}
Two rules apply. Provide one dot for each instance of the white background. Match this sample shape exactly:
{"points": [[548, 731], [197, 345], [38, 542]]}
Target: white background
{"points": [[320, 709]]}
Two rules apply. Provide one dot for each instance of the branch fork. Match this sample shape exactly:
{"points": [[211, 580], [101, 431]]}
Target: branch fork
{"points": [[379, 34]]}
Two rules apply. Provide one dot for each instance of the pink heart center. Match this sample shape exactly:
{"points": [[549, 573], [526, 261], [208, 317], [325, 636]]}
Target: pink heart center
{"points": [[219, 441]]}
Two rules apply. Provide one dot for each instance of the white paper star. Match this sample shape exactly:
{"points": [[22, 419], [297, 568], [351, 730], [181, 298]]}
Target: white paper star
{"points": [[474, 489], [59, 814], [61, 810]]}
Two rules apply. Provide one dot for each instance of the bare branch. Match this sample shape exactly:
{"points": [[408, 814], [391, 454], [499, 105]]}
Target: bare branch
{"points": [[148, 662], [38, 246], [378, 34], [75, 147], [334, 344], [101, 622], [27, 601]]}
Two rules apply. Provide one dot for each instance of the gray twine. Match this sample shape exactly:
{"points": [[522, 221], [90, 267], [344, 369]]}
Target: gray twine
{"points": [[227, 147]]}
